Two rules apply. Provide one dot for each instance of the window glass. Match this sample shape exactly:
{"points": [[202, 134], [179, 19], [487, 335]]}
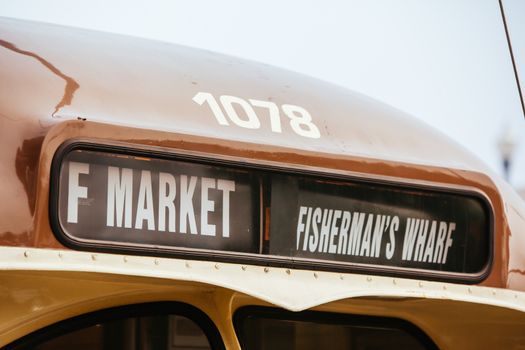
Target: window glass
{"points": [[309, 331], [169, 332], [160, 325]]}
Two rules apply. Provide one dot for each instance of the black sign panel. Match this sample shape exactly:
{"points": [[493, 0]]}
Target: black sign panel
{"points": [[113, 198], [378, 224], [141, 201]]}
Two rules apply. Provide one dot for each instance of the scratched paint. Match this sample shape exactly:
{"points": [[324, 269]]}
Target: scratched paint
{"points": [[71, 84]]}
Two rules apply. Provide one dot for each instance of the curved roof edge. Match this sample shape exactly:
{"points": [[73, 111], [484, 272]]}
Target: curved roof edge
{"points": [[117, 79]]}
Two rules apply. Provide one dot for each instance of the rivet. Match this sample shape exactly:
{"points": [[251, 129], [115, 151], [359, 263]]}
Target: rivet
{"points": [[93, 257], [493, 292], [420, 284], [444, 287], [315, 275], [369, 279], [470, 291], [394, 281], [156, 261], [288, 271], [341, 277], [60, 255], [26, 254], [125, 259], [266, 269], [187, 264], [217, 266], [516, 296], [243, 267]]}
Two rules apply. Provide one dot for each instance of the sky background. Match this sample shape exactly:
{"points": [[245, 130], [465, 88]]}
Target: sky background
{"points": [[445, 62]]}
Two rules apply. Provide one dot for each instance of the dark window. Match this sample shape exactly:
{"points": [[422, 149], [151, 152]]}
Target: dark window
{"points": [[166, 326], [262, 328]]}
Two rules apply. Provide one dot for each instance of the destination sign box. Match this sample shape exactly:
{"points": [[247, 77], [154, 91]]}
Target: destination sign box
{"points": [[378, 224], [138, 201], [111, 198]]}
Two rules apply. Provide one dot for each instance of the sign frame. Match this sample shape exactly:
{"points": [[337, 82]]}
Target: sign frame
{"points": [[260, 259]]}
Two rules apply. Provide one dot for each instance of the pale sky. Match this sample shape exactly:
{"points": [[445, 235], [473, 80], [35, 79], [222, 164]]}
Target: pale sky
{"points": [[444, 61]]}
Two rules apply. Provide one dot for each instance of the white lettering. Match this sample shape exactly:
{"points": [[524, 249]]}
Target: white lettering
{"points": [[429, 250], [300, 226], [365, 246], [75, 191], [325, 230], [421, 238], [381, 225], [120, 191], [226, 186], [167, 193], [307, 230], [411, 231], [145, 202], [186, 204], [314, 238], [206, 207], [343, 233], [252, 122], [440, 242], [391, 246], [448, 244], [356, 230], [333, 232]]}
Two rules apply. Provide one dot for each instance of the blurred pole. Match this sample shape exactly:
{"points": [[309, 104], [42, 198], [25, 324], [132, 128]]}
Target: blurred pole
{"points": [[507, 145]]}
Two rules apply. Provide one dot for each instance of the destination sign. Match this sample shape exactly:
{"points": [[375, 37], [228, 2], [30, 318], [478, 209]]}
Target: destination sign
{"points": [[136, 202], [151, 202], [378, 224]]}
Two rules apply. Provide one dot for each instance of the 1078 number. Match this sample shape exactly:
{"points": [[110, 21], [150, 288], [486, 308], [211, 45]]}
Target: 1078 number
{"points": [[300, 120]]}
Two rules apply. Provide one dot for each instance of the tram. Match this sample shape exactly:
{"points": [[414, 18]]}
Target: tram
{"points": [[160, 197]]}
